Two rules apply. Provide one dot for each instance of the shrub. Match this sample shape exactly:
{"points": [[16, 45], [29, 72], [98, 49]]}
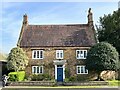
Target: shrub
{"points": [[34, 77], [67, 72], [21, 75], [16, 76], [47, 77], [40, 77], [73, 78], [82, 78], [13, 76]]}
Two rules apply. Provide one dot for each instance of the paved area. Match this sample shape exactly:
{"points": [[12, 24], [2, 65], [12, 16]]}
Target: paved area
{"points": [[61, 89], [55, 88]]}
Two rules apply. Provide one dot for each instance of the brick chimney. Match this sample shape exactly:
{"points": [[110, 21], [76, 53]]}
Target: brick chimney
{"points": [[90, 17], [25, 19]]}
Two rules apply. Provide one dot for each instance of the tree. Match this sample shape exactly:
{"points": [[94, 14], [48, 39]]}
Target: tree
{"points": [[17, 59], [109, 29], [102, 56]]}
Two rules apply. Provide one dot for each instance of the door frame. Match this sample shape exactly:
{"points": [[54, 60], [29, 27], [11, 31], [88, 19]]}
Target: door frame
{"points": [[56, 72]]}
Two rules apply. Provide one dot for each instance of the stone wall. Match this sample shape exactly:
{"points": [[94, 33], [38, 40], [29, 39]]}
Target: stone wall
{"points": [[50, 56], [32, 83], [47, 83]]}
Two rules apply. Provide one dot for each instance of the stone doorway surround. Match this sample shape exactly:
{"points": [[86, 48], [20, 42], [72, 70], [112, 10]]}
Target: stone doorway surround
{"points": [[59, 62]]}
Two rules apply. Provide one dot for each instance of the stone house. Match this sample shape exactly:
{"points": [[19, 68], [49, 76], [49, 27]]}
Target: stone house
{"points": [[54, 48]]}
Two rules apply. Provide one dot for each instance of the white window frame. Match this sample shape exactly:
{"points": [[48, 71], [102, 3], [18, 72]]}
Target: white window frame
{"points": [[36, 51], [59, 54], [81, 56], [40, 72], [84, 70]]}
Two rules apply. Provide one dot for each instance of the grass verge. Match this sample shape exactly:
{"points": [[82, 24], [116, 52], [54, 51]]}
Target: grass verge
{"points": [[114, 83]]}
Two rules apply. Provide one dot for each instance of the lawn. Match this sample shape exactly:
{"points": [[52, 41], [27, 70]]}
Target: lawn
{"points": [[114, 83]]}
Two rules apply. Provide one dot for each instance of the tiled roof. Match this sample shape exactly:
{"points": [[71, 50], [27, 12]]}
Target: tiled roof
{"points": [[57, 35]]}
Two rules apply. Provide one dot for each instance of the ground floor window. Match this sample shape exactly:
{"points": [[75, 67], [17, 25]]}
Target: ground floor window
{"points": [[82, 70], [37, 69]]}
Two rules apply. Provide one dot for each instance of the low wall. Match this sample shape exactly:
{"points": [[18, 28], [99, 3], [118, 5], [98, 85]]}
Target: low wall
{"points": [[31, 83], [86, 83], [49, 83]]}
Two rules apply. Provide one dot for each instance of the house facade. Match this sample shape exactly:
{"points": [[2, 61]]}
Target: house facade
{"points": [[55, 49]]}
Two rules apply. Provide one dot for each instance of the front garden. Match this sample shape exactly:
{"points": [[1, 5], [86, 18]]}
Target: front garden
{"points": [[102, 56]]}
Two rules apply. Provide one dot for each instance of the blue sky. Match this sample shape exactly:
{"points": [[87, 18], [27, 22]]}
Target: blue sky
{"points": [[46, 13]]}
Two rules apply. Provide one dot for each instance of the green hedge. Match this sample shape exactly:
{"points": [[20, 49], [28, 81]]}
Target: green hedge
{"points": [[16, 76], [40, 77]]}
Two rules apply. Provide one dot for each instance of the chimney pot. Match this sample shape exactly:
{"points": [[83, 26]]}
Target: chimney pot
{"points": [[25, 19], [90, 17]]}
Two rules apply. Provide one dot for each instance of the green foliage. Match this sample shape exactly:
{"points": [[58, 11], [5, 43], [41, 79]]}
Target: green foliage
{"points": [[16, 76], [102, 56], [13, 77], [73, 78], [67, 72], [40, 77], [76, 78], [114, 83], [110, 29], [81, 78], [17, 59]]}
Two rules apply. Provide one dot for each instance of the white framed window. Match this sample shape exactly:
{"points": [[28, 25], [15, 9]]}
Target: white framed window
{"points": [[81, 54], [37, 54], [82, 70], [37, 69], [59, 54]]}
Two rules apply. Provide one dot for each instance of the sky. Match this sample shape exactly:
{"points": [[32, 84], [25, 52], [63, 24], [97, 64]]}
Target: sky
{"points": [[44, 13]]}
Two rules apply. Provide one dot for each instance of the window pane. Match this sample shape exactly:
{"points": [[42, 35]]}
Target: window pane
{"points": [[37, 54], [41, 54], [57, 55], [78, 69], [86, 71], [34, 54], [34, 69], [78, 54], [41, 69], [59, 65], [61, 55], [82, 69], [81, 52], [85, 54], [37, 69]]}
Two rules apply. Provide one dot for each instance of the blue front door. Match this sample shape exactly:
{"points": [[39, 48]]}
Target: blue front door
{"points": [[60, 74]]}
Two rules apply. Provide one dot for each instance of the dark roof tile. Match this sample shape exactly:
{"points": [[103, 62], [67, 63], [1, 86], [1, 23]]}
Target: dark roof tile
{"points": [[58, 35]]}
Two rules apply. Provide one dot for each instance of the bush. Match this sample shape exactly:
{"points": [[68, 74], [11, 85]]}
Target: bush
{"points": [[82, 78], [13, 77], [47, 77], [40, 77], [21, 75], [67, 72], [16, 76], [73, 78]]}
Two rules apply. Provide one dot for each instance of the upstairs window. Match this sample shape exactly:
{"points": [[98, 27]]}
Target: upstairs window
{"points": [[59, 54], [37, 69], [81, 54], [82, 70], [37, 54]]}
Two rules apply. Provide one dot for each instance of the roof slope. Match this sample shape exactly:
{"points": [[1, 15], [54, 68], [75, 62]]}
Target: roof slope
{"points": [[57, 35]]}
